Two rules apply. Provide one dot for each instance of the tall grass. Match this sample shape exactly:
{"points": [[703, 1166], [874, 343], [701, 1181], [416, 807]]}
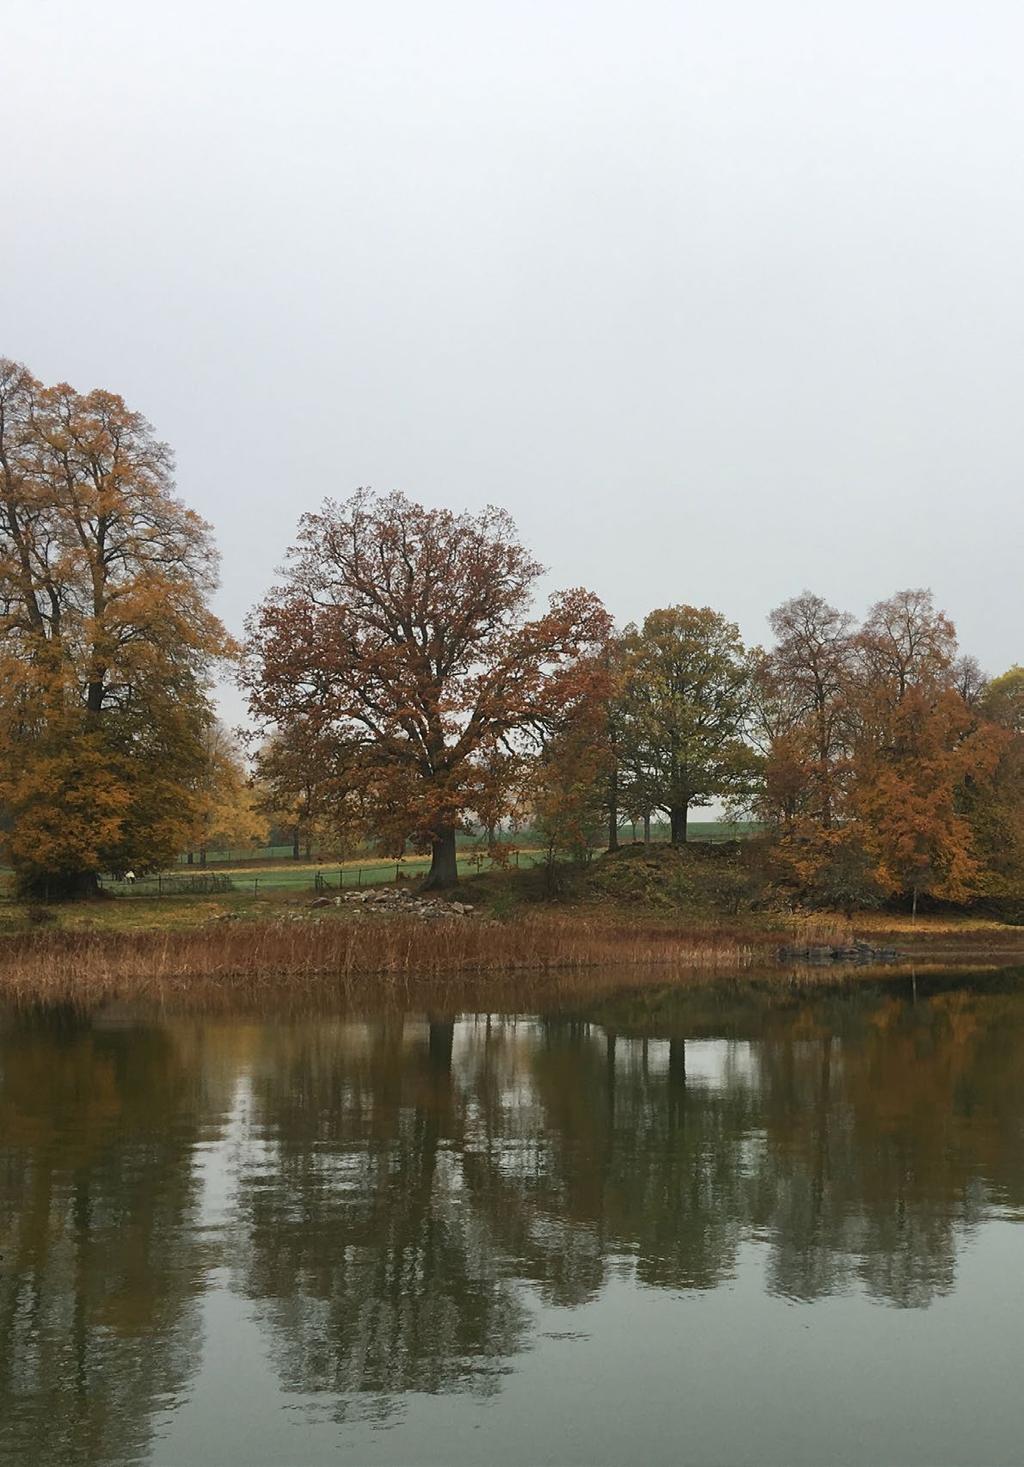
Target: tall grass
{"points": [[536, 956], [352, 956]]}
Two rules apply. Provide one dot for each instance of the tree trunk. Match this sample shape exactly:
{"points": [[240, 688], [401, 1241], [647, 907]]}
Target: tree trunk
{"points": [[647, 828], [295, 844], [444, 870], [191, 858], [678, 816], [613, 810], [202, 856]]}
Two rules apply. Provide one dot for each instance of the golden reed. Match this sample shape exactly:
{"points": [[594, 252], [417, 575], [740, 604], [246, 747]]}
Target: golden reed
{"points": [[399, 954]]}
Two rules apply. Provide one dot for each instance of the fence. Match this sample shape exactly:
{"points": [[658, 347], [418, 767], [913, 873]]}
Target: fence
{"points": [[282, 878], [700, 830]]}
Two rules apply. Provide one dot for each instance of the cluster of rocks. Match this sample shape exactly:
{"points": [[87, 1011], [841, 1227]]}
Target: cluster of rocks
{"points": [[858, 952], [392, 899]]}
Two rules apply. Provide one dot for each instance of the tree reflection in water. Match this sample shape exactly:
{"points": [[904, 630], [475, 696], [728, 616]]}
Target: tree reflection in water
{"points": [[102, 1259], [377, 1274], [412, 1185], [403, 1195]]}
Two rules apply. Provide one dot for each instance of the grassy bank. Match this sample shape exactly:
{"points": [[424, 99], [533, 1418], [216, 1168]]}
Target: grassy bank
{"points": [[638, 914], [536, 955], [344, 955]]}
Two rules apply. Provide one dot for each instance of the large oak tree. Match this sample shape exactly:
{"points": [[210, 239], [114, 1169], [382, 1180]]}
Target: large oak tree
{"points": [[405, 636]]}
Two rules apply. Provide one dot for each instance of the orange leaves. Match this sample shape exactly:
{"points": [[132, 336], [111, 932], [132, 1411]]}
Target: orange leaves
{"points": [[107, 641], [70, 807], [880, 737], [909, 767]]}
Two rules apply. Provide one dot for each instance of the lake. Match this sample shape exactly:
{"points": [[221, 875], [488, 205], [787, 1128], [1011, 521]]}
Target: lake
{"points": [[727, 1224]]}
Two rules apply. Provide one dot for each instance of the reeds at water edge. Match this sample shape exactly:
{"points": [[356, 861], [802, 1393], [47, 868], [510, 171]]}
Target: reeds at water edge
{"points": [[350, 957]]}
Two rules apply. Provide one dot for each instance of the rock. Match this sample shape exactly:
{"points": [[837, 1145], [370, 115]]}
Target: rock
{"points": [[860, 952], [322, 901], [401, 901]]}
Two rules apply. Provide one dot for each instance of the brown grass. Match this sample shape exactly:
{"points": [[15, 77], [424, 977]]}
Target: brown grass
{"points": [[538, 955], [351, 956]]}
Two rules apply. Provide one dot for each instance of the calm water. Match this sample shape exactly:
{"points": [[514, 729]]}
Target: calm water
{"points": [[720, 1228]]}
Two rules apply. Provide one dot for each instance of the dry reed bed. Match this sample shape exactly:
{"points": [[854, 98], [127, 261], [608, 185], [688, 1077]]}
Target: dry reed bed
{"points": [[399, 954]]}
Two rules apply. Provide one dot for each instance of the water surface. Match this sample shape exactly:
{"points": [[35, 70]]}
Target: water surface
{"points": [[723, 1226]]}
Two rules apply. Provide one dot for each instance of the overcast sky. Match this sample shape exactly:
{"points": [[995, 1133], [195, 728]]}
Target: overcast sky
{"points": [[721, 299]]}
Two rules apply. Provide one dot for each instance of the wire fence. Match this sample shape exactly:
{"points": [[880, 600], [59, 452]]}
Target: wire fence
{"points": [[281, 878], [304, 877], [469, 848]]}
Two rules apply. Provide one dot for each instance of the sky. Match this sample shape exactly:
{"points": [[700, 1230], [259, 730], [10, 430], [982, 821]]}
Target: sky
{"points": [[722, 300]]}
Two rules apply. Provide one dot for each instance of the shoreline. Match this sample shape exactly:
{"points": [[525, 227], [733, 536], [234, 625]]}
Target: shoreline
{"points": [[536, 955]]}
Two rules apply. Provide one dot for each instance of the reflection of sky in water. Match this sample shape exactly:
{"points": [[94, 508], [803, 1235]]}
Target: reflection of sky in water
{"points": [[736, 1376], [714, 1062]]}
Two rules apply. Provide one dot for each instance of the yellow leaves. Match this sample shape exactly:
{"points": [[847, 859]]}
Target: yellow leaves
{"points": [[69, 809], [107, 641], [226, 805]]}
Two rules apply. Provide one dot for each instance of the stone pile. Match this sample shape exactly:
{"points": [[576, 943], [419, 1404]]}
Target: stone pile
{"points": [[858, 952], [394, 899]]}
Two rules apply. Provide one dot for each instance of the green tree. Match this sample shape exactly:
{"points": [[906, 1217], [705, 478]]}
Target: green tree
{"points": [[685, 705]]}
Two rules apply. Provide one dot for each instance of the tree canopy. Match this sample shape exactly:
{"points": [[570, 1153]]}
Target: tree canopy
{"points": [[404, 635], [106, 639], [684, 708]]}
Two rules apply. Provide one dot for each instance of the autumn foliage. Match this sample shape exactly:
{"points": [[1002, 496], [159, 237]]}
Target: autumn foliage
{"points": [[882, 758], [106, 642], [407, 684], [402, 643]]}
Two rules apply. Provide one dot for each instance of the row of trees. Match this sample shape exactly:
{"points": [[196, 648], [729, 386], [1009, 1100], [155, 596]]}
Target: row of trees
{"points": [[410, 690], [403, 685], [891, 765]]}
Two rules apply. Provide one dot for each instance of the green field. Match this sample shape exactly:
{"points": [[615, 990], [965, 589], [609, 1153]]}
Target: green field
{"points": [[299, 876], [269, 869]]}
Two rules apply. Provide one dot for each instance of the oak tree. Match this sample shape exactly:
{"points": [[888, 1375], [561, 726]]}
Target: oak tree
{"points": [[403, 635]]}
